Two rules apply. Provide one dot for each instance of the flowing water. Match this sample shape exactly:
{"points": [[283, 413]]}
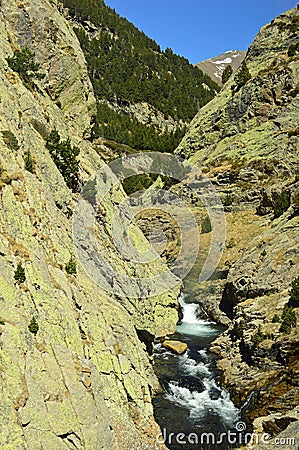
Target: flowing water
{"points": [[193, 402]]}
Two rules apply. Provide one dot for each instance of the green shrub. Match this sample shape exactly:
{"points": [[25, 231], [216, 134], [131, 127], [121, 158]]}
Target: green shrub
{"points": [[289, 26], [65, 159], [293, 49], [228, 201], [231, 243], [29, 162], [20, 276], [227, 73], [33, 326], [206, 226], [23, 63], [71, 266], [136, 183], [294, 293], [242, 76], [10, 140], [288, 320], [264, 253], [259, 337], [276, 318], [281, 203], [295, 202]]}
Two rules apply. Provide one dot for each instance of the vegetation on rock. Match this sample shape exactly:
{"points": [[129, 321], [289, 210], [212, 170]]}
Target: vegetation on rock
{"points": [[243, 75], [71, 266], [24, 64], [288, 320], [29, 162], [137, 183], [33, 326], [259, 337], [293, 49], [295, 202], [276, 318], [228, 201], [281, 203], [292, 26], [126, 129], [294, 293], [227, 73], [206, 226], [89, 191], [126, 67], [64, 156], [10, 140], [19, 275]]}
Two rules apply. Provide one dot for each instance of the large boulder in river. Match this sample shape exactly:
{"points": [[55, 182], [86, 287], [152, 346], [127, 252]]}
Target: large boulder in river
{"points": [[176, 346]]}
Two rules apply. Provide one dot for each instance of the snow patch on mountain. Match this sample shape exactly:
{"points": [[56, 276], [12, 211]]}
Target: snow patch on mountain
{"points": [[214, 67]]}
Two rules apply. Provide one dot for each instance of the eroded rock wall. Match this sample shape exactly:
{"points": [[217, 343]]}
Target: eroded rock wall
{"points": [[84, 380], [246, 140]]}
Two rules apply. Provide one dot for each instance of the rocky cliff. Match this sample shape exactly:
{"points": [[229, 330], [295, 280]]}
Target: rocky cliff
{"points": [[246, 141], [74, 368]]}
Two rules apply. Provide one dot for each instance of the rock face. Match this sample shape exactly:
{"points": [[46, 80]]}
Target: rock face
{"points": [[82, 376], [246, 140], [259, 121]]}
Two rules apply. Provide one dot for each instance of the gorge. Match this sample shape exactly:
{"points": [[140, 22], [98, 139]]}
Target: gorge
{"points": [[76, 366]]}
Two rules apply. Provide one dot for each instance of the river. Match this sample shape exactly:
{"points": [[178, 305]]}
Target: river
{"points": [[193, 403]]}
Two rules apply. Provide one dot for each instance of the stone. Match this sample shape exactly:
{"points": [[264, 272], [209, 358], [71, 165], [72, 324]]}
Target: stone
{"points": [[176, 346]]}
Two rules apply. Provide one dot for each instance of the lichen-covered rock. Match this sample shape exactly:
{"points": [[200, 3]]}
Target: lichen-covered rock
{"points": [[80, 376], [259, 120], [246, 139]]}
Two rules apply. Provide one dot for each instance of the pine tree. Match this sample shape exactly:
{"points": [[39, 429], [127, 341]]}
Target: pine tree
{"points": [[65, 158], [243, 75], [227, 73], [23, 63]]}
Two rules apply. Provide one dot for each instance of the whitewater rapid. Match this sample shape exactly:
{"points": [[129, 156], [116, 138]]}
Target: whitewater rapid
{"points": [[191, 383]]}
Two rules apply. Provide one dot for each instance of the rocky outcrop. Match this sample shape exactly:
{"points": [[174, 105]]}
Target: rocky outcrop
{"points": [[175, 346], [259, 121], [246, 141], [78, 375], [146, 113]]}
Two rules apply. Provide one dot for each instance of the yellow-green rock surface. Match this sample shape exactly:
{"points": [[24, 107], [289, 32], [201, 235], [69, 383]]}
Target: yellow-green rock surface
{"points": [[84, 379]]}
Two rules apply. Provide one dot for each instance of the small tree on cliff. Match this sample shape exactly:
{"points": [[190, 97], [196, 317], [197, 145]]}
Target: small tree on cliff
{"points": [[294, 293], [242, 77], [227, 73], [65, 158], [24, 64]]}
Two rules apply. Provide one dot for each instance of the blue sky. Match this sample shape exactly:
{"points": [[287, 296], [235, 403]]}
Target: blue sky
{"points": [[200, 29]]}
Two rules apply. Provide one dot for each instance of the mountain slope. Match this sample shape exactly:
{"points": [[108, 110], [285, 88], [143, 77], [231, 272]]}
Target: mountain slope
{"points": [[214, 67], [264, 106], [132, 76], [74, 372], [247, 141]]}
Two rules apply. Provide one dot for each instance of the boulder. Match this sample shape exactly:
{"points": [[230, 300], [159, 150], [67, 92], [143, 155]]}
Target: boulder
{"points": [[176, 346]]}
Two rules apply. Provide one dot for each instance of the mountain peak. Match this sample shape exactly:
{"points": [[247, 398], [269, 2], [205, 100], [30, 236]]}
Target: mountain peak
{"points": [[215, 66]]}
